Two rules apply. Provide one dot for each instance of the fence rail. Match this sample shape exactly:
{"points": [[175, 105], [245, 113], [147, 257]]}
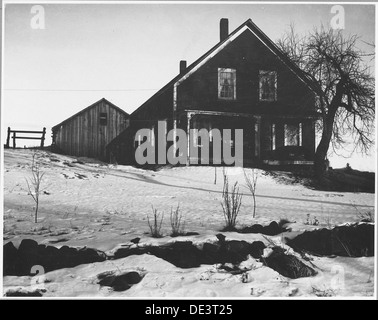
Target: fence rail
{"points": [[14, 136]]}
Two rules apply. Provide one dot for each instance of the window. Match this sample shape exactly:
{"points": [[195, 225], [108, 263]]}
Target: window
{"points": [[227, 84], [103, 119], [151, 137], [139, 140], [198, 135], [257, 139], [273, 136], [197, 140], [293, 134], [268, 85]]}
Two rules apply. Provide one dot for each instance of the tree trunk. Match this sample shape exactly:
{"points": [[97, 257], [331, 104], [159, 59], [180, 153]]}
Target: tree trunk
{"points": [[322, 149], [36, 212], [320, 155], [328, 120]]}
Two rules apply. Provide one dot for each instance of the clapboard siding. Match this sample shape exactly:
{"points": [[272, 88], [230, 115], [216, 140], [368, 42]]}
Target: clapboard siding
{"points": [[82, 135]]}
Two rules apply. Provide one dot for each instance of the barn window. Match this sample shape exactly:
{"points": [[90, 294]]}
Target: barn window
{"points": [[103, 118], [268, 85], [227, 84], [293, 134]]}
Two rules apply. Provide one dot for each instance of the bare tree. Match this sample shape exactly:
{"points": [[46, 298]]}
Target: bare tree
{"points": [[344, 84], [251, 181], [34, 183]]}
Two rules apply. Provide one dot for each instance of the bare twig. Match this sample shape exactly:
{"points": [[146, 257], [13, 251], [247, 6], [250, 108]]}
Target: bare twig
{"points": [[251, 181], [155, 226], [34, 183], [176, 225], [231, 202]]}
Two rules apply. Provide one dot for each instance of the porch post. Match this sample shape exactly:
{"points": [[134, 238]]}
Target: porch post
{"points": [[188, 118]]}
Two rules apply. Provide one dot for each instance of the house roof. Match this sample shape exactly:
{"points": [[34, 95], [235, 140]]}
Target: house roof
{"points": [[87, 108], [219, 46]]}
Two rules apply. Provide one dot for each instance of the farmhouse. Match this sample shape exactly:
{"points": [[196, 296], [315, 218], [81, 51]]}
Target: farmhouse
{"points": [[244, 82], [86, 133]]}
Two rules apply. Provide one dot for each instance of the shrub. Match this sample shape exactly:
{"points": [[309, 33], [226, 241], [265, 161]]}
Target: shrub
{"points": [[34, 183], [231, 202], [155, 226], [251, 181], [310, 221], [177, 226]]}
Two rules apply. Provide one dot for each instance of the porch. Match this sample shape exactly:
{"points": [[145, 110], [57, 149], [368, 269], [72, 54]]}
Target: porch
{"points": [[266, 140]]}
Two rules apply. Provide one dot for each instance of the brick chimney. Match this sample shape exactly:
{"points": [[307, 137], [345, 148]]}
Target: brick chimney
{"points": [[223, 29], [182, 66]]}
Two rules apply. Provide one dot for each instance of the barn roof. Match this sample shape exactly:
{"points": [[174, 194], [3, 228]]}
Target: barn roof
{"points": [[219, 46], [54, 128]]}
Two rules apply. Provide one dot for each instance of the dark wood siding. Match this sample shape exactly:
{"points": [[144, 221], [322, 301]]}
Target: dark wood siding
{"points": [[247, 55], [83, 136], [159, 108]]}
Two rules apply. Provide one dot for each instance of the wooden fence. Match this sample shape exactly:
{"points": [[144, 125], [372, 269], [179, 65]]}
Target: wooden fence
{"points": [[15, 136]]}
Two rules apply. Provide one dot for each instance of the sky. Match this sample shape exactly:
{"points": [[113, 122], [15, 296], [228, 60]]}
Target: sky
{"points": [[126, 52]]}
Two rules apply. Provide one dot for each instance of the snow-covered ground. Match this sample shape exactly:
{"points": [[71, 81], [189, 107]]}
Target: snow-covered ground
{"points": [[90, 204]]}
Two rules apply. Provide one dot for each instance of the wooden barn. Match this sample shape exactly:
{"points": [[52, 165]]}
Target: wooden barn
{"points": [[243, 82], [87, 133]]}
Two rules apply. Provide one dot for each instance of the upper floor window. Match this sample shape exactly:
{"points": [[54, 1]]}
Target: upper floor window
{"points": [[103, 118], [227, 83], [268, 85]]}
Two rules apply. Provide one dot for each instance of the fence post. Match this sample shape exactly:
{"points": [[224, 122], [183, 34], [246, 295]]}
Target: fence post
{"points": [[43, 137], [14, 139], [8, 137]]}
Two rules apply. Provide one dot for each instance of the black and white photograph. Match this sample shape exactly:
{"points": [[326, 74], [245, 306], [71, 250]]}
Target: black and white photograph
{"points": [[188, 150]]}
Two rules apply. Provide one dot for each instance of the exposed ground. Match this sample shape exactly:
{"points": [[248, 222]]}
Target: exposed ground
{"points": [[85, 203], [341, 180]]}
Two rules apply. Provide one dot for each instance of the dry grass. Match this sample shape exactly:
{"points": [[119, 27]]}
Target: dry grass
{"points": [[176, 222], [155, 225]]}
